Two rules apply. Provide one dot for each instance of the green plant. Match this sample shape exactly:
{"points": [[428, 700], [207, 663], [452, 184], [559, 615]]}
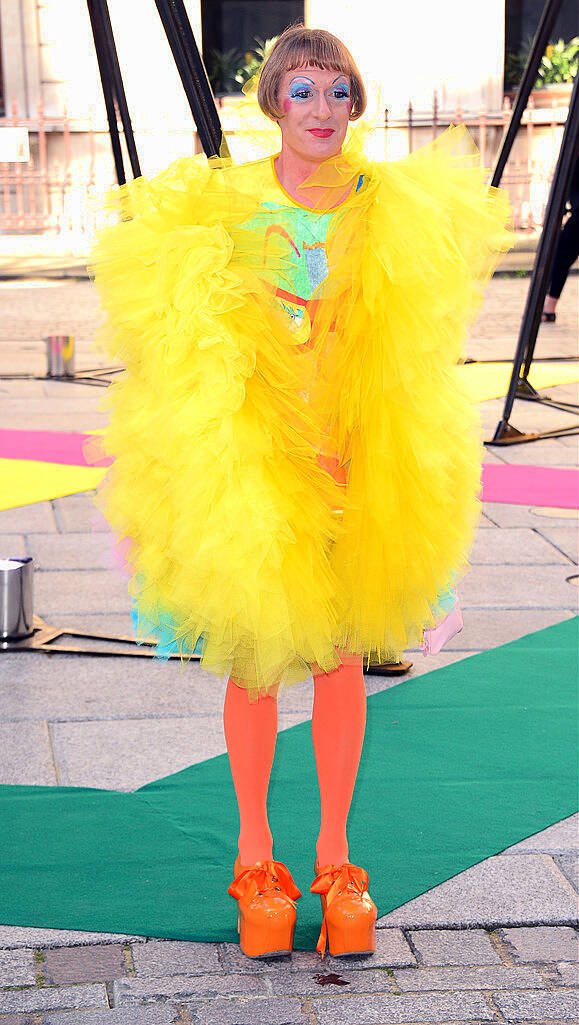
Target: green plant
{"points": [[558, 64], [222, 70], [254, 59]]}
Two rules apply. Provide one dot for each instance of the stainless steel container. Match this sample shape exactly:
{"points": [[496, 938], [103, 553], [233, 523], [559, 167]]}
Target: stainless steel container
{"points": [[16, 605], [59, 355]]}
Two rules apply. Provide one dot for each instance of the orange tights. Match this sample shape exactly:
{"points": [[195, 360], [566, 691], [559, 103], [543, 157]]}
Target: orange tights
{"points": [[338, 725]]}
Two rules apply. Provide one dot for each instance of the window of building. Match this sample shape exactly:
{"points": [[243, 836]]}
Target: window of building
{"points": [[234, 33], [521, 22]]}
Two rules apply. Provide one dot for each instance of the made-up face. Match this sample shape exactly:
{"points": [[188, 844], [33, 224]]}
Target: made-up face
{"points": [[316, 108]]}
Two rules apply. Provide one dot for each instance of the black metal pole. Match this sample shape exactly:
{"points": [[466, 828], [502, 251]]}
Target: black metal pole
{"points": [[545, 254], [193, 76], [548, 18], [106, 82], [117, 83]]}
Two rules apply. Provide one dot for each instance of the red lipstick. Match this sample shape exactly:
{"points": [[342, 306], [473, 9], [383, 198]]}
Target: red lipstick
{"points": [[321, 133]]}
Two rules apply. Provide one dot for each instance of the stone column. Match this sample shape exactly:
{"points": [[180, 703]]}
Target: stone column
{"points": [[20, 55]]}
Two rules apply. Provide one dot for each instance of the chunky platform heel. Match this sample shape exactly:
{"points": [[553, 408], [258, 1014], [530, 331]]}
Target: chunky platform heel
{"points": [[266, 910], [349, 924]]}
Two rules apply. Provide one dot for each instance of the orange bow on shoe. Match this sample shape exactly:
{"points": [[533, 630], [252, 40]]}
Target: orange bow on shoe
{"points": [[349, 912], [266, 915]]}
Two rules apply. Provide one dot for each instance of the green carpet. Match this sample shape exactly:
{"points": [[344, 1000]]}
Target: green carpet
{"points": [[457, 765]]}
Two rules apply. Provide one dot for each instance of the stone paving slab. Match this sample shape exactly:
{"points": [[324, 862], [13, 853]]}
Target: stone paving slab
{"points": [[420, 665], [52, 405], [539, 1007], [57, 591], [518, 546], [14, 937], [258, 1011], [535, 419], [561, 836], [38, 518], [82, 551], [85, 394], [25, 752], [392, 950], [502, 515], [507, 890], [79, 422], [406, 1007], [53, 998], [538, 453], [494, 587], [453, 947], [112, 623], [162, 1014], [568, 973], [75, 687], [17, 968], [570, 441], [100, 963], [79, 514], [569, 866], [180, 988], [158, 958], [542, 943], [566, 539], [459, 978], [12, 544], [325, 982], [489, 628], [530, 418], [132, 752]]}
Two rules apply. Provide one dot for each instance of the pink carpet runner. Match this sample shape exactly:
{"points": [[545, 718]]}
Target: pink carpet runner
{"points": [[531, 485], [516, 484], [65, 447]]}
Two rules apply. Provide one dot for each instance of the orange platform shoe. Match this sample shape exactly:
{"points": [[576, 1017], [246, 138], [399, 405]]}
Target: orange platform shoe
{"points": [[349, 912], [266, 912]]}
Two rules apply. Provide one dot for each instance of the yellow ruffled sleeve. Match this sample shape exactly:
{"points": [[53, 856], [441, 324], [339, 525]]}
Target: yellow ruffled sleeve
{"points": [[214, 491], [409, 257]]}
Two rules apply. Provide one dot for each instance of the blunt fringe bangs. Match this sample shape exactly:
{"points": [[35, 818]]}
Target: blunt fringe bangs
{"points": [[297, 46]]}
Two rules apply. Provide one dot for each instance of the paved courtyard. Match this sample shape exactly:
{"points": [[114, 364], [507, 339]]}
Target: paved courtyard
{"points": [[496, 943]]}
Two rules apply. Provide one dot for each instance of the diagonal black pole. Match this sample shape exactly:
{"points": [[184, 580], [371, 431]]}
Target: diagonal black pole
{"points": [[106, 76], [519, 387], [541, 273], [539, 45], [113, 89], [117, 84], [193, 76]]}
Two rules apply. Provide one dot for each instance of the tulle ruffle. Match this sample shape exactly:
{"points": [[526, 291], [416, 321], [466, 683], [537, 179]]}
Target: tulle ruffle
{"points": [[235, 531]]}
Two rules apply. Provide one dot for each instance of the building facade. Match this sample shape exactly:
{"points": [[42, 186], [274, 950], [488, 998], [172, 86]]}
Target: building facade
{"points": [[447, 60]]}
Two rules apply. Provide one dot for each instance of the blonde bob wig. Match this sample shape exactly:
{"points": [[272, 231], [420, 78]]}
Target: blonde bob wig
{"points": [[299, 46]]}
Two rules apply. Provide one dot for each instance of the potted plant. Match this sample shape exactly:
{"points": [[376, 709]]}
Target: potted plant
{"points": [[555, 73], [222, 70], [228, 71], [254, 59]]}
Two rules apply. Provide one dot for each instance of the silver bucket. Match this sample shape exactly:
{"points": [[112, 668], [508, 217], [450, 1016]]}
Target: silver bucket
{"points": [[16, 606], [59, 356]]}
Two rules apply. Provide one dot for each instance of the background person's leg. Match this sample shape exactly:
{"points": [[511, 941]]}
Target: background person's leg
{"points": [[566, 253], [251, 733], [338, 726], [567, 248]]}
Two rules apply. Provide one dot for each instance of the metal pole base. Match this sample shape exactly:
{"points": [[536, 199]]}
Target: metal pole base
{"points": [[100, 377], [388, 668], [506, 434], [43, 636]]}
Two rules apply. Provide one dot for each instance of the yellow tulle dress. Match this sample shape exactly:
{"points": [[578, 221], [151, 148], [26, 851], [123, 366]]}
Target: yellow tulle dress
{"points": [[296, 465]]}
